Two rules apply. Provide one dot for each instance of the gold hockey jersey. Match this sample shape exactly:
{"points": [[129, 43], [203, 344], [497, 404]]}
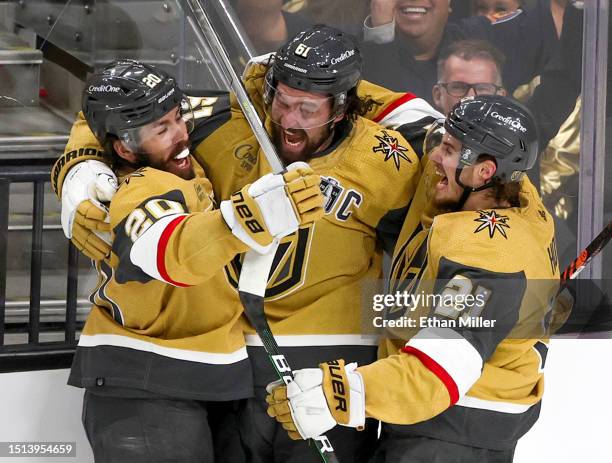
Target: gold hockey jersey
{"points": [[470, 364], [369, 175], [161, 323], [314, 294]]}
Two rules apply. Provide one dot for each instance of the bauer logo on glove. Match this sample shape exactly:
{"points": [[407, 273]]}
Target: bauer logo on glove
{"points": [[244, 213], [318, 399], [274, 206]]}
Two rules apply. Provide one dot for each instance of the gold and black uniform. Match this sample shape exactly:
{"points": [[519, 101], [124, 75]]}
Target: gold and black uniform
{"points": [[313, 301], [160, 323], [369, 174], [470, 375]]}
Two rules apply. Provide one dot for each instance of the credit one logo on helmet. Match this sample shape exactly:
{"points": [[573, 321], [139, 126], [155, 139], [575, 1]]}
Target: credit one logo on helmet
{"points": [[346, 55], [103, 88], [514, 123]]}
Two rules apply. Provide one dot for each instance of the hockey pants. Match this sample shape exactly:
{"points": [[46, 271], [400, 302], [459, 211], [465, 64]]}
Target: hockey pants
{"points": [[129, 430], [409, 449], [266, 441]]}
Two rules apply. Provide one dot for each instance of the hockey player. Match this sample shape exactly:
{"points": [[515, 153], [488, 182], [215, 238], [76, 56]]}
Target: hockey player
{"points": [[469, 383], [307, 97], [162, 341]]}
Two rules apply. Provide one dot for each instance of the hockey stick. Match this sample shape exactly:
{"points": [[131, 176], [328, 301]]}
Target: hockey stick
{"points": [[255, 267], [570, 273], [587, 254]]}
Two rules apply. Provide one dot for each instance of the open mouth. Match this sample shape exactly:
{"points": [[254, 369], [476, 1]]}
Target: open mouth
{"points": [[293, 139], [413, 10], [443, 182], [182, 159]]}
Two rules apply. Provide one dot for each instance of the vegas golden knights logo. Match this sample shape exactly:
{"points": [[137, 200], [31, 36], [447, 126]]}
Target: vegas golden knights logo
{"points": [[408, 264], [288, 268], [406, 271]]}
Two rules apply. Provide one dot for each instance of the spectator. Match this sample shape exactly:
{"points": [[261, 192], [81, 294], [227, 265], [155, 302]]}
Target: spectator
{"points": [[493, 8], [472, 67], [527, 38], [269, 23], [467, 67]]}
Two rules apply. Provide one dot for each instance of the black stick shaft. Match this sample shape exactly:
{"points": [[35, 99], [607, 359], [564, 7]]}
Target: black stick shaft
{"points": [[251, 288]]}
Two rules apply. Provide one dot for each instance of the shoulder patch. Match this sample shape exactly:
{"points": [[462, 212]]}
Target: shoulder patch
{"points": [[493, 222], [503, 16], [136, 173], [389, 146]]}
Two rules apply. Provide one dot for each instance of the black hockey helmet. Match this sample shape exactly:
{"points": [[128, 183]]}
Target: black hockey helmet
{"points": [[498, 126], [127, 95], [319, 59]]}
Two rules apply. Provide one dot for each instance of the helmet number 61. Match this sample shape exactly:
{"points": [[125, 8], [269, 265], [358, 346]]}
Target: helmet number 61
{"points": [[302, 50]]}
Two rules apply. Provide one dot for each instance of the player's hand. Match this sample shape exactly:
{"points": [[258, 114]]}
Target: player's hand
{"points": [[304, 190], [84, 217], [318, 399], [274, 206]]}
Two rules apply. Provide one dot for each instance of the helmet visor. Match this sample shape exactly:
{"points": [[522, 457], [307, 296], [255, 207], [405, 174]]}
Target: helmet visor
{"points": [[165, 131], [303, 111], [433, 138]]}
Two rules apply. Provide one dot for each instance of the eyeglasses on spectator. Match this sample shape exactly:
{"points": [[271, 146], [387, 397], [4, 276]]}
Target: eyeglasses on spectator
{"points": [[460, 89]]}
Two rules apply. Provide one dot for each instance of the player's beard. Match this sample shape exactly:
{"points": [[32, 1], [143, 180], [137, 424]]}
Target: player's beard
{"points": [[445, 205], [449, 199], [311, 143], [169, 164]]}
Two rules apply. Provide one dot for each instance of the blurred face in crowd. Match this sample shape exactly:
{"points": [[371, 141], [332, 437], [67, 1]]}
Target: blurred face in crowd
{"points": [[420, 18], [482, 74], [302, 122], [164, 145], [492, 7]]}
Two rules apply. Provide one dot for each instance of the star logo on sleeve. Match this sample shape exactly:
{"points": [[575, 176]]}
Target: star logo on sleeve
{"points": [[391, 148], [490, 220]]}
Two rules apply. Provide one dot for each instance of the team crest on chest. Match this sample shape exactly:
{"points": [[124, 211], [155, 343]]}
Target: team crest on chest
{"points": [[493, 222], [390, 147], [288, 267]]}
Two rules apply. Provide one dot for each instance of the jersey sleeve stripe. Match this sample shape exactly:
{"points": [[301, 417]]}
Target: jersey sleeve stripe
{"points": [[406, 110], [161, 251], [149, 249], [452, 352], [437, 370], [406, 97]]}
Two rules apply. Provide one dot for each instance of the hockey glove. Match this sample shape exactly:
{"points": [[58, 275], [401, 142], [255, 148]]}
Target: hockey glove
{"points": [[274, 206], [84, 218], [318, 399]]}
